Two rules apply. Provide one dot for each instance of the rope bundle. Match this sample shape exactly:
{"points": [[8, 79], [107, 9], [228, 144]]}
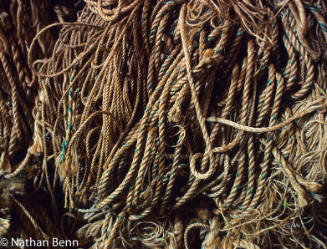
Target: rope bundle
{"points": [[19, 22], [146, 107]]}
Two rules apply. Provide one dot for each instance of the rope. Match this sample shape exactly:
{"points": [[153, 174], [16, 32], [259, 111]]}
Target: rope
{"points": [[145, 107]]}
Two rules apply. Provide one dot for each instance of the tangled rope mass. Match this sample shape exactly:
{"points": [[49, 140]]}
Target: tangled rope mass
{"points": [[20, 21], [179, 124]]}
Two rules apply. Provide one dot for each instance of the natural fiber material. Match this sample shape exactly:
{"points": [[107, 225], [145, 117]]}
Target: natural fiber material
{"points": [[171, 124], [19, 22]]}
